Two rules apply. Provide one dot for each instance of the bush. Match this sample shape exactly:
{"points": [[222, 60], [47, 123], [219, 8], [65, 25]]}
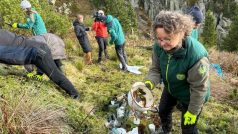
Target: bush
{"points": [[55, 22], [120, 9]]}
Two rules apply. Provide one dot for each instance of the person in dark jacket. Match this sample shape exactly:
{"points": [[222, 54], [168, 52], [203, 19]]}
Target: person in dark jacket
{"points": [[18, 50], [101, 35], [80, 31]]}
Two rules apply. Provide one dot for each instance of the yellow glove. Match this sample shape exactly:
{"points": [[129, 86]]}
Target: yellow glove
{"points": [[14, 25], [189, 118], [30, 75], [149, 84], [39, 77]]}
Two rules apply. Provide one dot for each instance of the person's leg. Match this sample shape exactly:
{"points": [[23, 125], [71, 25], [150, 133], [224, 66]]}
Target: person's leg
{"points": [[188, 129], [87, 53], [124, 54], [120, 56], [100, 48], [105, 42], [39, 72], [89, 58], [45, 62], [59, 64], [29, 68], [166, 105]]}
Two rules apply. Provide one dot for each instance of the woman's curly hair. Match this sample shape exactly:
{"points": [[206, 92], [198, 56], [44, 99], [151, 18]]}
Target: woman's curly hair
{"points": [[173, 22]]}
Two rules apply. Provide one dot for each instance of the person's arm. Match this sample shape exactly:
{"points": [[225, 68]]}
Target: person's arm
{"points": [[113, 35], [153, 75], [198, 78], [29, 22]]}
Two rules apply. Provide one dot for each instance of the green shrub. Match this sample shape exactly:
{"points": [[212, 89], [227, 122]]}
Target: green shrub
{"points": [[121, 9], [55, 22]]}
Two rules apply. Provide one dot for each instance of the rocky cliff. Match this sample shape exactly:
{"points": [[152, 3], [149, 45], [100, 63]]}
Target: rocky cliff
{"points": [[152, 7]]}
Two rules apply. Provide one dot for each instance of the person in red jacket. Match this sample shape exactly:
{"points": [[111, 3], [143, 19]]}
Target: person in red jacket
{"points": [[101, 35]]}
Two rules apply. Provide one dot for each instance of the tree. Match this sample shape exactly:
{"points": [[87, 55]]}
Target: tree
{"points": [[209, 32], [230, 43], [122, 9], [11, 12]]}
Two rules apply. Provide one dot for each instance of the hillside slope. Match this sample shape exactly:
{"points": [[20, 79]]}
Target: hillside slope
{"points": [[31, 106]]}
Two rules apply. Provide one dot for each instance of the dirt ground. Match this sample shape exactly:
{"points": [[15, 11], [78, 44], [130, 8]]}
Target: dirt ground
{"points": [[220, 87]]}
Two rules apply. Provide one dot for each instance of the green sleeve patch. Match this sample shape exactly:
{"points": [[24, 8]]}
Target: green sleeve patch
{"points": [[202, 70]]}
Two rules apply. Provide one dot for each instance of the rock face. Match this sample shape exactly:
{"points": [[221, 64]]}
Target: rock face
{"points": [[153, 7], [222, 28], [52, 2]]}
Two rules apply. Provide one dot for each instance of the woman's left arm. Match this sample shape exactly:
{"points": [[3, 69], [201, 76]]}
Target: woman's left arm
{"points": [[198, 78]]}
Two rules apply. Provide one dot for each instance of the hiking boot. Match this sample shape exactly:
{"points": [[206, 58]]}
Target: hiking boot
{"points": [[124, 69]]}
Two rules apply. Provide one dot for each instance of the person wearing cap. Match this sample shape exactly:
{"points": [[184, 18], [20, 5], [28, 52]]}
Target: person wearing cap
{"points": [[33, 20], [183, 64], [80, 32], [115, 30], [101, 35], [18, 50], [197, 15]]}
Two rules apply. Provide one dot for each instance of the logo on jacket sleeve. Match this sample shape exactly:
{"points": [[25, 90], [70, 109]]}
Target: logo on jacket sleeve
{"points": [[202, 70], [180, 76]]}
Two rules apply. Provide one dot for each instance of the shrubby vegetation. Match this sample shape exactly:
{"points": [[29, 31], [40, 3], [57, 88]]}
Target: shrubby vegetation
{"points": [[121, 9], [55, 22]]}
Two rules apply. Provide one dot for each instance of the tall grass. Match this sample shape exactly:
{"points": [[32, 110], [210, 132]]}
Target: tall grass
{"points": [[22, 114]]}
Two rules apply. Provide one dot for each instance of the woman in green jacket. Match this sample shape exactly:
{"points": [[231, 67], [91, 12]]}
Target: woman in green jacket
{"points": [[37, 25], [33, 20], [183, 64]]}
